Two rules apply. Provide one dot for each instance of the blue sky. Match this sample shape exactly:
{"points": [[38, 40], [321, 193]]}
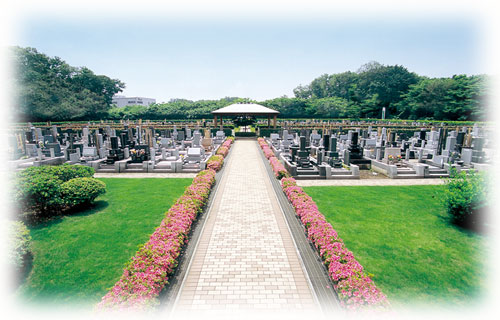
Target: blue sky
{"points": [[258, 58]]}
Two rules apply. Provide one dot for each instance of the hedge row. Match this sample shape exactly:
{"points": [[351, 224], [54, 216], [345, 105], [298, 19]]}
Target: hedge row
{"points": [[278, 168], [20, 244], [148, 271], [354, 288]]}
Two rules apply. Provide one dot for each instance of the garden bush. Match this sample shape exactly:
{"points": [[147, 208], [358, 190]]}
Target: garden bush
{"points": [[63, 172], [38, 194], [215, 162], [38, 191], [20, 241], [466, 197], [79, 191]]}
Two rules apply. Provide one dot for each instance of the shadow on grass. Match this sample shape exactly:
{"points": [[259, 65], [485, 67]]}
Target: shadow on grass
{"points": [[471, 227], [78, 211]]}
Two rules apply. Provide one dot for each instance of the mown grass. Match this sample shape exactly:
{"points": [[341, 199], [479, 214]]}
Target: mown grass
{"points": [[78, 257], [403, 237]]}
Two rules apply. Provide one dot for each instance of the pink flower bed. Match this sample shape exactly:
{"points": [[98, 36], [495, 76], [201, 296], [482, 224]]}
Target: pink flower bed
{"points": [[265, 147], [228, 142], [278, 168], [354, 288], [222, 151], [147, 273], [215, 162], [224, 148]]}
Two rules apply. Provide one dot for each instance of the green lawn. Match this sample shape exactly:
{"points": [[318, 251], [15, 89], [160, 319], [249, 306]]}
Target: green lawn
{"points": [[78, 257], [402, 236]]}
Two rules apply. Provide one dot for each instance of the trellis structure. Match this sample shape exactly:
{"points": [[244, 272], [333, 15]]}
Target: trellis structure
{"points": [[246, 109]]}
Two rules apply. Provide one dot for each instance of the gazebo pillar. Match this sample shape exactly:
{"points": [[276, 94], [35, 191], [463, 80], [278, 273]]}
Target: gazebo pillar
{"points": [[215, 120], [274, 121], [268, 121], [221, 120]]}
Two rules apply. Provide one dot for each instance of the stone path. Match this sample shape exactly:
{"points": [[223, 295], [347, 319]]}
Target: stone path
{"points": [[143, 175], [370, 182], [246, 259]]}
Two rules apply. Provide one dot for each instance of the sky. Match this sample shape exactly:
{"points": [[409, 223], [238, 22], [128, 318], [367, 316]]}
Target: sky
{"points": [[249, 55]]}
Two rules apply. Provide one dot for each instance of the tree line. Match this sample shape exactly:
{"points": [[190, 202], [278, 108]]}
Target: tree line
{"points": [[50, 89]]}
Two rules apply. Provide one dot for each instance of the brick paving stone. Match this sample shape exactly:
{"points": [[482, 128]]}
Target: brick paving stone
{"points": [[370, 182], [245, 258]]}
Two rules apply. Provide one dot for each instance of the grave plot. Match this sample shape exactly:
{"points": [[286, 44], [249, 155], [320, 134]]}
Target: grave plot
{"points": [[304, 156], [425, 154]]}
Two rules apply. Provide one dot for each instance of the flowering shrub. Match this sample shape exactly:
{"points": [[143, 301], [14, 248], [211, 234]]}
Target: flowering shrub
{"points": [[278, 168], [288, 182], [354, 288], [215, 162], [223, 151], [224, 148], [147, 272], [228, 142]]}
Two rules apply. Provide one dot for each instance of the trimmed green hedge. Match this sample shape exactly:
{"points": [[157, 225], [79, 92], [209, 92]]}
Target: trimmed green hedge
{"points": [[244, 134], [267, 132], [20, 244]]}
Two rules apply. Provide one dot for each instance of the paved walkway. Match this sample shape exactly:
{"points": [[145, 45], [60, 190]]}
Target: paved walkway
{"points": [[246, 259], [370, 182], [143, 175]]}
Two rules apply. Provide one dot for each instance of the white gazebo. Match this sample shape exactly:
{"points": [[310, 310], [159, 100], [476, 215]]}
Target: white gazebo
{"points": [[246, 109]]}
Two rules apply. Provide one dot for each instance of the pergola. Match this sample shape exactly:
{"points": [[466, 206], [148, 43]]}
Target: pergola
{"points": [[246, 109]]}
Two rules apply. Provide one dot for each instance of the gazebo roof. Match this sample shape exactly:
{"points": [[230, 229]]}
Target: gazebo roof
{"points": [[245, 109]]}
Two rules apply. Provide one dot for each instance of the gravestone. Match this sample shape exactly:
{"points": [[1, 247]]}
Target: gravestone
{"points": [[395, 152]]}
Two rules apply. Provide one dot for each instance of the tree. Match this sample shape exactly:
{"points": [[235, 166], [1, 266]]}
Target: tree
{"points": [[50, 89], [388, 83], [456, 98]]}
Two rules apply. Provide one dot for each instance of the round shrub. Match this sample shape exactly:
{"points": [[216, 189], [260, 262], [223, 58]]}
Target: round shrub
{"points": [[20, 244], [39, 194], [81, 190], [63, 172], [466, 196]]}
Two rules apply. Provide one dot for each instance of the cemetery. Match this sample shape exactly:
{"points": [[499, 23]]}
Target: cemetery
{"points": [[397, 155], [308, 149], [125, 149], [277, 171], [312, 152]]}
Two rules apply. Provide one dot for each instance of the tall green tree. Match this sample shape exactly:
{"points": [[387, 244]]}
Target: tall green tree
{"points": [[386, 83], [50, 89]]}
